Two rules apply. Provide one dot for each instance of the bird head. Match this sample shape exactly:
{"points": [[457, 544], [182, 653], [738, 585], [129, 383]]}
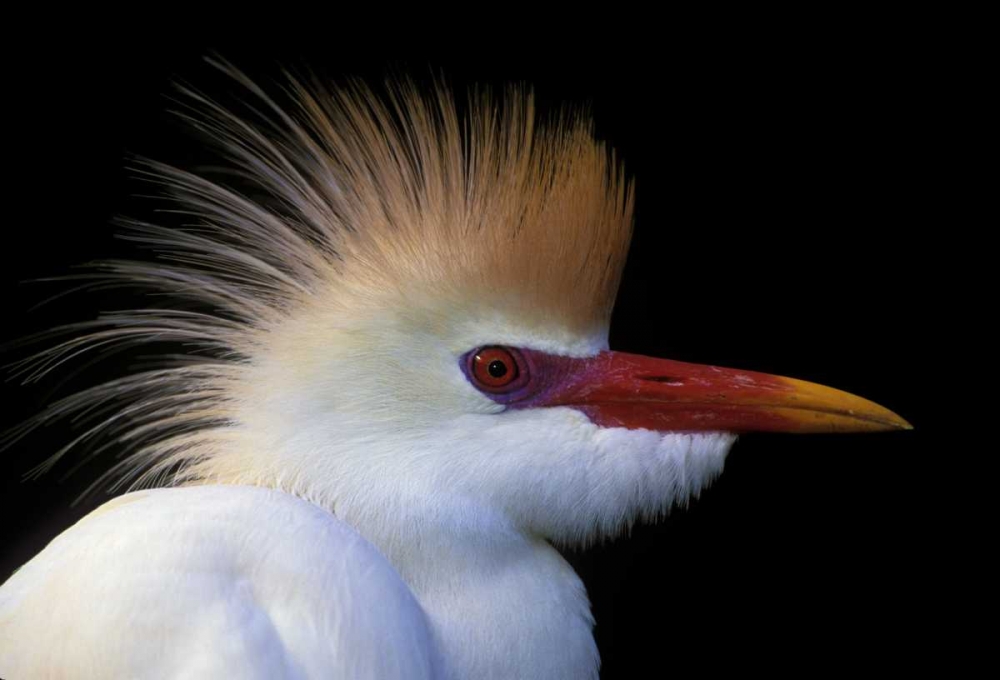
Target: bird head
{"points": [[413, 323]]}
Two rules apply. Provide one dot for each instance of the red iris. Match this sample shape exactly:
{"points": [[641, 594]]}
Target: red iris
{"points": [[495, 368]]}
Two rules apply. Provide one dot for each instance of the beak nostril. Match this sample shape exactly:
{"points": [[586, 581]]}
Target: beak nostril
{"points": [[666, 379]]}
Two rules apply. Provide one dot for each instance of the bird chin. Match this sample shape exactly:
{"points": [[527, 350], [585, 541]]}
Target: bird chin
{"points": [[670, 470], [583, 482]]}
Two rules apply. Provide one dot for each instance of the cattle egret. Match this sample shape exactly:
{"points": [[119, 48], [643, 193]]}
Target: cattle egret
{"points": [[399, 394]]}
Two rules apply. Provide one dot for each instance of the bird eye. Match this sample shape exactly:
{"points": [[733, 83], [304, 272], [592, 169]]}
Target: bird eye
{"points": [[497, 369]]}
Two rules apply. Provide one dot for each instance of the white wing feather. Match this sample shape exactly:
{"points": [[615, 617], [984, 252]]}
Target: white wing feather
{"points": [[211, 582]]}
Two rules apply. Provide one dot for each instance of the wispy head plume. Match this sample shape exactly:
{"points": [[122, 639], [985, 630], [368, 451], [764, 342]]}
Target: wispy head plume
{"points": [[335, 194]]}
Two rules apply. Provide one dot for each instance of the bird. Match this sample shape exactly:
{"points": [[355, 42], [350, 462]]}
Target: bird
{"points": [[397, 396]]}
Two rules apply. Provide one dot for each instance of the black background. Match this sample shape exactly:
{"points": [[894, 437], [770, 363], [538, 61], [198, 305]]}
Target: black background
{"points": [[786, 187]]}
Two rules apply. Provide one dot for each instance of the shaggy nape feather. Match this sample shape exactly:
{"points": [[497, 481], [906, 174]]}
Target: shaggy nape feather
{"points": [[365, 199]]}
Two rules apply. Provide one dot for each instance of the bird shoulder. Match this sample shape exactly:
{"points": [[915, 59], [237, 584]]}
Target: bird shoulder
{"points": [[211, 581]]}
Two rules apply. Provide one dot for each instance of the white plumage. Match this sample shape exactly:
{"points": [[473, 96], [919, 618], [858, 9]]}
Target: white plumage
{"points": [[361, 493], [209, 581], [212, 582]]}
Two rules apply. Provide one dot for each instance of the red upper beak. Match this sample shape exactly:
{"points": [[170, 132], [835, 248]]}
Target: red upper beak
{"points": [[616, 389]]}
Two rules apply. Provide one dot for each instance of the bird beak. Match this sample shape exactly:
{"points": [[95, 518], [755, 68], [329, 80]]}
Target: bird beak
{"points": [[615, 389]]}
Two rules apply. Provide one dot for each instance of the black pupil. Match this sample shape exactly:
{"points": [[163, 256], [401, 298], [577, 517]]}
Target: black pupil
{"points": [[497, 368]]}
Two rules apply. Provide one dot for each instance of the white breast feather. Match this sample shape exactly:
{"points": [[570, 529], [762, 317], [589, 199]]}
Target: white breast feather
{"points": [[211, 582]]}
